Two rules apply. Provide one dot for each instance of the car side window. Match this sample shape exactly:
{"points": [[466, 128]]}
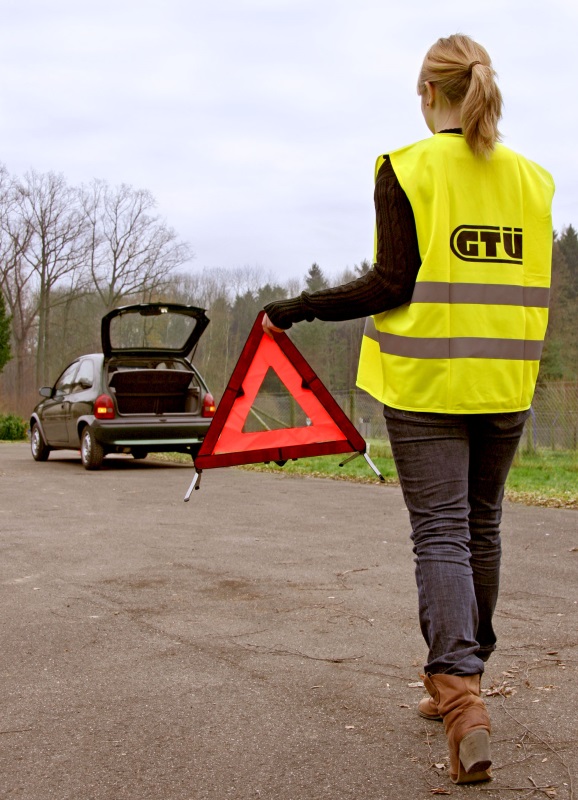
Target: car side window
{"points": [[65, 384], [85, 376]]}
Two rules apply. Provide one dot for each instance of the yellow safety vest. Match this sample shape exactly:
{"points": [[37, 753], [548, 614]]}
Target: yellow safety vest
{"points": [[471, 338]]}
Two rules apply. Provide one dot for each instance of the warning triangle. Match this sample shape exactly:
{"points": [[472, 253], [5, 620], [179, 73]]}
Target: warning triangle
{"points": [[330, 430]]}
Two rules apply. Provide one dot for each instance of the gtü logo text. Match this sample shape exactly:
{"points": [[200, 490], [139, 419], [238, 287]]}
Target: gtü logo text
{"points": [[487, 243]]}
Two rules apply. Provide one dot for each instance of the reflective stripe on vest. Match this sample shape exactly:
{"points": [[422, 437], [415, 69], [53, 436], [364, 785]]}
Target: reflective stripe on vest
{"points": [[482, 293], [471, 338], [454, 347]]}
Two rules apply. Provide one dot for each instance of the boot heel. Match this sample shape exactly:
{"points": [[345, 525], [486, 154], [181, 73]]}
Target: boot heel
{"points": [[475, 758]]}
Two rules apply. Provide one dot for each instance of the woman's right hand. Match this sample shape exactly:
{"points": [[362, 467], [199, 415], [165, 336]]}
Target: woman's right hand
{"points": [[268, 327]]}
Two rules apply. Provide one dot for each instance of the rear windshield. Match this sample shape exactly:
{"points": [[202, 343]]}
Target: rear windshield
{"points": [[161, 330]]}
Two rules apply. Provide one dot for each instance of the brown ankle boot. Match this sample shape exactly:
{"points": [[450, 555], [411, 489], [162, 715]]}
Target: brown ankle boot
{"points": [[466, 723], [428, 709]]}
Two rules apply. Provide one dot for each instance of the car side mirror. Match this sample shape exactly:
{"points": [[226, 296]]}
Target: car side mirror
{"points": [[46, 391]]}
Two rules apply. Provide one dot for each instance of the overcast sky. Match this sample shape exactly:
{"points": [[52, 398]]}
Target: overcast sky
{"points": [[256, 123]]}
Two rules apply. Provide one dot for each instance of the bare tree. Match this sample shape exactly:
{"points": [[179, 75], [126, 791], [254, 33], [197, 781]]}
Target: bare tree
{"points": [[55, 232], [5, 350], [16, 284], [132, 252]]}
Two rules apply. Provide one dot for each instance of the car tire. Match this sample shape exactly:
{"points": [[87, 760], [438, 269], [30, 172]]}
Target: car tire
{"points": [[91, 451], [138, 453], [40, 450]]}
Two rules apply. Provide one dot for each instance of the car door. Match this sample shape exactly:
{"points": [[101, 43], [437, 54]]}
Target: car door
{"points": [[56, 409], [81, 399]]}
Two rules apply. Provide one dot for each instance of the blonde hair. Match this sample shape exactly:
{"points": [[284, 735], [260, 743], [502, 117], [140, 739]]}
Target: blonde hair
{"points": [[463, 72]]}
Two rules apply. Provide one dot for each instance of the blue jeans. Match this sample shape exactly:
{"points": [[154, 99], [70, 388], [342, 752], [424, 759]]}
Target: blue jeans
{"points": [[452, 469]]}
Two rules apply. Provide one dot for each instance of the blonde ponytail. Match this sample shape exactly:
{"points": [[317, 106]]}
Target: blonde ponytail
{"points": [[463, 73]]}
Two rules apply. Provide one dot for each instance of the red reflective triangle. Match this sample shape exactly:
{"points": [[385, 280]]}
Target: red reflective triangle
{"points": [[330, 431]]}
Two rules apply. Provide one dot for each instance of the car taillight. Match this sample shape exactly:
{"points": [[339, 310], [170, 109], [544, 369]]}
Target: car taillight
{"points": [[209, 406], [103, 407]]}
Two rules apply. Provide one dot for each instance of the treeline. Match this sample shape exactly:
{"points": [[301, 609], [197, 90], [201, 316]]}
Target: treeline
{"points": [[234, 298], [70, 254], [67, 255], [560, 358]]}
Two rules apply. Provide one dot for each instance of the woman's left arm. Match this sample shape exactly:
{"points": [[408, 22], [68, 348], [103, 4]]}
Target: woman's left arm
{"points": [[387, 285]]}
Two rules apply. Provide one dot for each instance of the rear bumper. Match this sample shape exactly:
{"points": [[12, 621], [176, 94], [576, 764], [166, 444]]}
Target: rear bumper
{"points": [[162, 433]]}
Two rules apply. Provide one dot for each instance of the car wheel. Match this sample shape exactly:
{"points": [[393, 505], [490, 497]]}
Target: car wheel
{"points": [[139, 453], [91, 451], [40, 450]]}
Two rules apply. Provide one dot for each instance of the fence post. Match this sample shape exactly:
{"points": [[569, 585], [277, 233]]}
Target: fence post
{"points": [[352, 405], [531, 429]]}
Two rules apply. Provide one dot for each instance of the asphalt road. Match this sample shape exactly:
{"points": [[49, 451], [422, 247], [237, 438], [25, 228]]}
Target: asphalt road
{"points": [[260, 641]]}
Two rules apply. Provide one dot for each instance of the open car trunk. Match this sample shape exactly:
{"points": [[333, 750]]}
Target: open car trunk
{"points": [[147, 348], [155, 391]]}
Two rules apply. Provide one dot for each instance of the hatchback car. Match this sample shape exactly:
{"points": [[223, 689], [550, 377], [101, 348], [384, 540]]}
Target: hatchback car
{"points": [[141, 395]]}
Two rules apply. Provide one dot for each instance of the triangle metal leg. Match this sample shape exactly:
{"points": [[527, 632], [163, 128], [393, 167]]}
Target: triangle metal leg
{"points": [[350, 458], [374, 468], [195, 484], [369, 461]]}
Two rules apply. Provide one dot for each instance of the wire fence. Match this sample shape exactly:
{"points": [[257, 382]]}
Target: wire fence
{"points": [[554, 420], [553, 423]]}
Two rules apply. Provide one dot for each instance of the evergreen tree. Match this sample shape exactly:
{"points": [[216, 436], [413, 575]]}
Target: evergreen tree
{"points": [[5, 352], [568, 242], [268, 293], [560, 355], [363, 268], [315, 279]]}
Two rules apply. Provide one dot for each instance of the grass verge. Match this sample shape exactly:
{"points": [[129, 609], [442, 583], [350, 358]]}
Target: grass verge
{"points": [[543, 478]]}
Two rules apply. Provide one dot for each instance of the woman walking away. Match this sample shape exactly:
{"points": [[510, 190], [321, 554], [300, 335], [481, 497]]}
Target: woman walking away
{"points": [[458, 305]]}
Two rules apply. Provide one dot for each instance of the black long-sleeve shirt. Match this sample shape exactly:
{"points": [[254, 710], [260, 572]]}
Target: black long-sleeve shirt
{"points": [[388, 284]]}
